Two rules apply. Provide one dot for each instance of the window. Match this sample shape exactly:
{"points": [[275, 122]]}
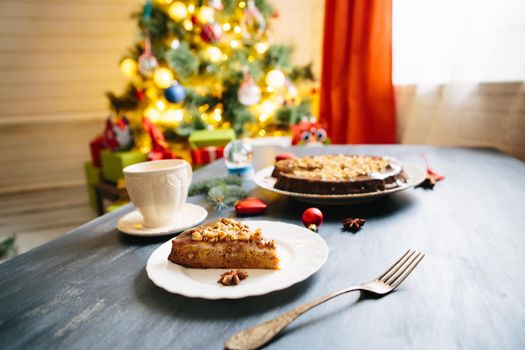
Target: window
{"points": [[442, 41]]}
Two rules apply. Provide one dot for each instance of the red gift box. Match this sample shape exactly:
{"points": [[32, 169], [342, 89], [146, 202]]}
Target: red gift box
{"points": [[160, 155], [96, 146], [206, 155]]}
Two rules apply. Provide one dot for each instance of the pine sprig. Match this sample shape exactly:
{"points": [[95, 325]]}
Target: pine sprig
{"points": [[156, 24], [8, 248], [290, 115], [206, 185], [183, 61], [302, 73], [125, 102], [224, 196], [278, 56]]}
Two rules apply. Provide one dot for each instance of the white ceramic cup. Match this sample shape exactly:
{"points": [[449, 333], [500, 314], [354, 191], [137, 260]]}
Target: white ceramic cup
{"points": [[158, 189]]}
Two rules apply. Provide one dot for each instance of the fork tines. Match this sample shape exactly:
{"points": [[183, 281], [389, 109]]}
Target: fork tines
{"points": [[397, 273]]}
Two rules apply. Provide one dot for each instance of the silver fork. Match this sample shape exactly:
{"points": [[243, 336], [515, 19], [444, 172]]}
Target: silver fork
{"points": [[257, 336]]}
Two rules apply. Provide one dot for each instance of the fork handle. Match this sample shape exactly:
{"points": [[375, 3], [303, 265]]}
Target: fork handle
{"points": [[257, 336]]}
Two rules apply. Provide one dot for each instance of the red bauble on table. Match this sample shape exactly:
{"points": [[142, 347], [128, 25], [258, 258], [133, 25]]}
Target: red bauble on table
{"points": [[250, 206], [312, 218]]}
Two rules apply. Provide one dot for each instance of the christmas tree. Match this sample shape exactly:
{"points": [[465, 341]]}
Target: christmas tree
{"points": [[210, 64]]}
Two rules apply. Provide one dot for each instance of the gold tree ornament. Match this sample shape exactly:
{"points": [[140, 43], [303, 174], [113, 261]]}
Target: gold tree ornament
{"points": [[275, 78], [129, 67], [178, 11], [163, 77], [206, 15], [213, 53]]}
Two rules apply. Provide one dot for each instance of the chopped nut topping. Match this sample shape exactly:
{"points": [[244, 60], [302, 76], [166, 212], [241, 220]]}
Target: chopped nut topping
{"points": [[227, 229], [196, 236], [336, 167], [233, 277]]}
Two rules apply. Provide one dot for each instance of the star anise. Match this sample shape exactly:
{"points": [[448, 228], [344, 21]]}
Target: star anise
{"points": [[353, 224], [233, 277]]}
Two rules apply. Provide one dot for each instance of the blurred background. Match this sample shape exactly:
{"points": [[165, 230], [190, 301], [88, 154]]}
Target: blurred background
{"points": [[457, 70]]}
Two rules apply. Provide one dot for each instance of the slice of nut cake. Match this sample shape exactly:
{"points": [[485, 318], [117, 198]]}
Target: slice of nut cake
{"points": [[225, 243]]}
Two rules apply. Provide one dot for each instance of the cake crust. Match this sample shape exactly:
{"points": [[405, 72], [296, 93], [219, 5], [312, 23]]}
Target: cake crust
{"points": [[338, 174], [225, 243]]}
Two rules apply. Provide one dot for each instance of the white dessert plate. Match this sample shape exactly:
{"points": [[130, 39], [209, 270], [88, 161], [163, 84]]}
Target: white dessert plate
{"points": [[189, 216], [301, 253], [415, 175]]}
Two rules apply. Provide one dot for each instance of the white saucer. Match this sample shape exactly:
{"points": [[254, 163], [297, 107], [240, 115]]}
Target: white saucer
{"points": [[189, 216]]}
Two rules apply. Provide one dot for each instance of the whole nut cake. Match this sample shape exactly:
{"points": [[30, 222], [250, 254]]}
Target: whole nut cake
{"points": [[338, 174]]}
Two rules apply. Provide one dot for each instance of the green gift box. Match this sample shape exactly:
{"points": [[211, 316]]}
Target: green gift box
{"points": [[93, 177], [93, 174], [207, 138], [114, 162]]}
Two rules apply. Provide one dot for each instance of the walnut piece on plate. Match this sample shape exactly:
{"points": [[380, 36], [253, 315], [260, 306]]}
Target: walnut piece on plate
{"points": [[233, 277]]}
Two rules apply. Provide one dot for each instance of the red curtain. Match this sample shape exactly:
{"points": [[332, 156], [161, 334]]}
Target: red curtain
{"points": [[357, 95]]}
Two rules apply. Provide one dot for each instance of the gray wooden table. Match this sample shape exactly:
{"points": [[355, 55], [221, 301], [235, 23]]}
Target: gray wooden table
{"points": [[89, 289]]}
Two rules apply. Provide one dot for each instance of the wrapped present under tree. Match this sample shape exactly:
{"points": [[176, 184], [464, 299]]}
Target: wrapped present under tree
{"points": [[114, 162]]}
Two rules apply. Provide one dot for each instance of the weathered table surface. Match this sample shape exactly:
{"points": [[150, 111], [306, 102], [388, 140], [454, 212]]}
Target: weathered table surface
{"points": [[89, 289]]}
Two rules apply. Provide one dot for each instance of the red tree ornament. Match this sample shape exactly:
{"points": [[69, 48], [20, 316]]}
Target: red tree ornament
{"points": [[211, 32], [312, 218], [250, 206]]}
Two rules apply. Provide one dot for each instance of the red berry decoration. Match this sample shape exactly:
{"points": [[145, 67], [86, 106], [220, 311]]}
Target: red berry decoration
{"points": [[312, 218], [194, 20], [250, 206], [140, 95]]}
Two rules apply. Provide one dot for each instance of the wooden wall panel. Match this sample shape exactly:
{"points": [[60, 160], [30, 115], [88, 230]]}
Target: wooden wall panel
{"points": [[56, 49], [57, 59], [44, 155]]}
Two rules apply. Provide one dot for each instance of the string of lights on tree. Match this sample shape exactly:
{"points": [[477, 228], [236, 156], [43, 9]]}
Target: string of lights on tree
{"points": [[209, 64]]}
